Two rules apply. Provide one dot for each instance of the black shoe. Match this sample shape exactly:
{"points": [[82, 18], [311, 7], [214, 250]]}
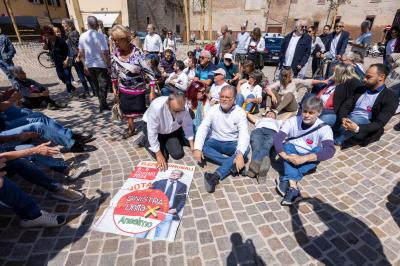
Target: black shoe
{"points": [[397, 127], [78, 147], [104, 108], [82, 138], [210, 182]]}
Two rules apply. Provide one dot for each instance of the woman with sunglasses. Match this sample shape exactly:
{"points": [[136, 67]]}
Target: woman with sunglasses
{"points": [[197, 102], [170, 42]]}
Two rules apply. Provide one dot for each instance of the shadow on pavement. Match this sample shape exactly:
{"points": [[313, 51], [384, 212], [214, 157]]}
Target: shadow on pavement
{"points": [[243, 253], [393, 203], [347, 241]]}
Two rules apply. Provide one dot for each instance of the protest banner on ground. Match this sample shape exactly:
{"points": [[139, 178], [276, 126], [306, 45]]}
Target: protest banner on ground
{"points": [[149, 204]]}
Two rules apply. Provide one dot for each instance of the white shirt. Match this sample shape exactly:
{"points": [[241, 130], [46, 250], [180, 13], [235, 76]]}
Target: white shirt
{"points": [[241, 40], [93, 44], [160, 120], [181, 80], [292, 127], [169, 44], [246, 89], [291, 49], [364, 105], [320, 44], [270, 123], [259, 47], [215, 90], [190, 73], [334, 43], [153, 43], [231, 126]]}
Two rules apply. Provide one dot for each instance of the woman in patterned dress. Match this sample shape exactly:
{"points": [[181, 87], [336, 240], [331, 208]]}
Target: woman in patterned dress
{"points": [[129, 72]]}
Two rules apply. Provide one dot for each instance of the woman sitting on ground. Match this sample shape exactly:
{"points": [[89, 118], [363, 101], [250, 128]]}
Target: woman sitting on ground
{"points": [[340, 87], [198, 102], [34, 94], [356, 59], [302, 143], [249, 92], [283, 95]]}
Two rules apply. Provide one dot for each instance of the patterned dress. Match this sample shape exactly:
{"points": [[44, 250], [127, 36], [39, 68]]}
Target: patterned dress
{"points": [[129, 76]]}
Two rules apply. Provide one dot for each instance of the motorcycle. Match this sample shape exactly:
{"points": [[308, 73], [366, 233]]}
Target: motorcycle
{"points": [[376, 50]]}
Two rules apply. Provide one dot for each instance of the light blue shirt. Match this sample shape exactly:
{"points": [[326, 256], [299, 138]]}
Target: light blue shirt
{"points": [[241, 42]]}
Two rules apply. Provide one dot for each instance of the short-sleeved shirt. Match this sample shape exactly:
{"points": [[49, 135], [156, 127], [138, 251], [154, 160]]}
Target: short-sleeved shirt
{"points": [[226, 44], [246, 90], [292, 127], [205, 73], [364, 39], [230, 70], [93, 43], [270, 123], [241, 42]]}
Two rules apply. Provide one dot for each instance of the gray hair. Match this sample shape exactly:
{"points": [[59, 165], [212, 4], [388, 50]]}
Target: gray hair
{"points": [[92, 22], [355, 57], [313, 104], [366, 24], [206, 53], [178, 96], [231, 88], [15, 70], [69, 22], [178, 171]]}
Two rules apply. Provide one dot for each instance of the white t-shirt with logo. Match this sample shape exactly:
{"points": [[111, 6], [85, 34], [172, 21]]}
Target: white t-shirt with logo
{"points": [[292, 127], [246, 89], [364, 105], [269, 123]]}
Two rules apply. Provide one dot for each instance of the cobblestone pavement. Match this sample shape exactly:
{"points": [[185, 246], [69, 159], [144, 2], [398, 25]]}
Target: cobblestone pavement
{"points": [[351, 216]]}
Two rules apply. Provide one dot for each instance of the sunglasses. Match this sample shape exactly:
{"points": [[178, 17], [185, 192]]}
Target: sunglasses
{"points": [[309, 31], [303, 27], [337, 27], [217, 74], [202, 57]]}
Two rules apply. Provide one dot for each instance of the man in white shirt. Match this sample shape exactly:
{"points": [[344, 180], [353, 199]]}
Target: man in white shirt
{"points": [[168, 123], [219, 82], [153, 45], [94, 53], [223, 138], [177, 81], [241, 41]]}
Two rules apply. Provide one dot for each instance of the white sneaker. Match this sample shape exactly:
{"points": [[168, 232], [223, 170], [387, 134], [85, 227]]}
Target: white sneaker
{"points": [[66, 193], [44, 220], [76, 170]]}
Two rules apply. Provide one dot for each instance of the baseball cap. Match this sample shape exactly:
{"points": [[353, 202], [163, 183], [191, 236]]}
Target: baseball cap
{"points": [[220, 71], [228, 56]]}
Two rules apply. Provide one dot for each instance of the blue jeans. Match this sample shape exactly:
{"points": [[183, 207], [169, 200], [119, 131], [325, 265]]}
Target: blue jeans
{"points": [[5, 65], [28, 171], [240, 100], [162, 229], [64, 74], [222, 153], [296, 172], [81, 74], [43, 125], [261, 141], [344, 134], [329, 117], [14, 112], [23, 205]]}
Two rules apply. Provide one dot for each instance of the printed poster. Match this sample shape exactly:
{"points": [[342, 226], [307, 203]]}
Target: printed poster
{"points": [[150, 203]]}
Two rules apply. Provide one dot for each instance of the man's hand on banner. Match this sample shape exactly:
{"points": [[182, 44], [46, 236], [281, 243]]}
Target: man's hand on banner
{"points": [[161, 162], [198, 155]]}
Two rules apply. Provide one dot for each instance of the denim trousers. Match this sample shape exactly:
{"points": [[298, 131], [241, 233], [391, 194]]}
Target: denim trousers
{"points": [[162, 230], [344, 134], [43, 125], [329, 117], [23, 205], [240, 101], [222, 153], [64, 74], [5, 65], [296, 172], [261, 141], [30, 172]]}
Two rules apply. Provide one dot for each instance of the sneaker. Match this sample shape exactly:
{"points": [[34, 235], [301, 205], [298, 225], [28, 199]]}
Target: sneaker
{"points": [[66, 193], [292, 196], [282, 186], [263, 172], [76, 170], [254, 168], [210, 182], [44, 220]]}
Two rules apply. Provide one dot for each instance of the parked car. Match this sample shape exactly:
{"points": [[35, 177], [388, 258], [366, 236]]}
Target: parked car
{"points": [[273, 42]]}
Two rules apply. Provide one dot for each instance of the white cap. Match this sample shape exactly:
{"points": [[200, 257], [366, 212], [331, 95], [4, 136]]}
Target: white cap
{"points": [[228, 56], [220, 71]]}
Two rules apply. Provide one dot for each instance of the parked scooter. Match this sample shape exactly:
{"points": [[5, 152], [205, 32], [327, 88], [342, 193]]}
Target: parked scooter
{"points": [[376, 50]]}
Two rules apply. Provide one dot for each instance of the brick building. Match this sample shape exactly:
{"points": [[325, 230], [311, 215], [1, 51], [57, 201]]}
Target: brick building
{"points": [[280, 15]]}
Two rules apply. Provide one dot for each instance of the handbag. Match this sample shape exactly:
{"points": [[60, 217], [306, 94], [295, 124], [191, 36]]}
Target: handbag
{"points": [[116, 113]]}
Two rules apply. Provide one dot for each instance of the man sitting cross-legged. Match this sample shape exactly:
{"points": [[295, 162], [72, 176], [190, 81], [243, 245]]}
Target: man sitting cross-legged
{"points": [[223, 138], [302, 143]]}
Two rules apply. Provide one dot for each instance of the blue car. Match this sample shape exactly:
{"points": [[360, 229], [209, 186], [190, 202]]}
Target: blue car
{"points": [[273, 42]]}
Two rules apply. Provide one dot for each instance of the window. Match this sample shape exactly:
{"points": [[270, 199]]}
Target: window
{"points": [[178, 29], [148, 20], [321, 2], [36, 1], [371, 19], [53, 2]]}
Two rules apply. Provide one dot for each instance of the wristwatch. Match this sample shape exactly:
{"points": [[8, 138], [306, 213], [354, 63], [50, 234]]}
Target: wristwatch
{"points": [[357, 130]]}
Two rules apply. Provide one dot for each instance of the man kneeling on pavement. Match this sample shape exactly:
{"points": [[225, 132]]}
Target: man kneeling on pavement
{"points": [[223, 138]]}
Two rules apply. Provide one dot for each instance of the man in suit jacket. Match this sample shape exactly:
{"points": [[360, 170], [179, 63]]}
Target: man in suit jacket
{"points": [[336, 45], [296, 48], [175, 190], [365, 115]]}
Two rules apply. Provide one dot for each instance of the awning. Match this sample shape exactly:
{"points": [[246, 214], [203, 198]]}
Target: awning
{"points": [[108, 19]]}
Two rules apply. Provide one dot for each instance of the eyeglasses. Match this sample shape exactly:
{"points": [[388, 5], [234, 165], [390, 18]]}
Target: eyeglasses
{"points": [[339, 27], [169, 33], [217, 74], [201, 57], [309, 31]]}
